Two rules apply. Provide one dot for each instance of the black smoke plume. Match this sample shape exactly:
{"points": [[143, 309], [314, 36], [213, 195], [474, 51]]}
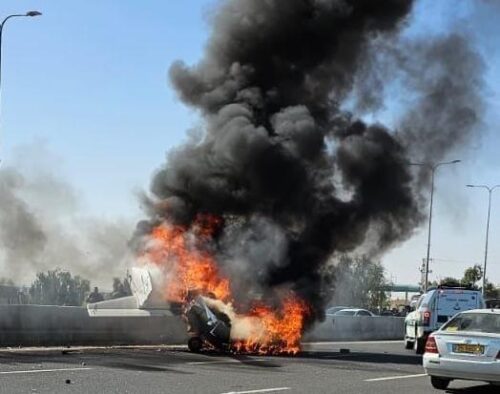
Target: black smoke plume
{"points": [[296, 178]]}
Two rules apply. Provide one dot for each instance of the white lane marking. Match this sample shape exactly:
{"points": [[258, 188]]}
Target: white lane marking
{"points": [[258, 391], [44, 370], [231, 360], [419, 375]]}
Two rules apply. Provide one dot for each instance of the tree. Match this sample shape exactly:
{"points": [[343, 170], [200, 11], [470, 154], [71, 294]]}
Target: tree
{"points": [[58, 287], [360, 282], [6, 282], [472, 275], [490, 291], [449, 281]]}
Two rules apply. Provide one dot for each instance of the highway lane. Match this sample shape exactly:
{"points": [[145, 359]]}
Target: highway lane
{"points": [[324, 367]]}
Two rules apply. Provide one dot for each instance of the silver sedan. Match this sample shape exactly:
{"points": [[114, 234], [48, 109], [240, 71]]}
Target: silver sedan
{"points": [[466, 348]]}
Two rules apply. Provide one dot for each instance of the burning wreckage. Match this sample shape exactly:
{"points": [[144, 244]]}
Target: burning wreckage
{"points": [[245, 218], [214, 325], [202, 297], [207, 327], [208, 320]]}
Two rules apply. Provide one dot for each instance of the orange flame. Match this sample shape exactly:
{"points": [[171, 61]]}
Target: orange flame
{"points": [[281, 331], [185, 258]]}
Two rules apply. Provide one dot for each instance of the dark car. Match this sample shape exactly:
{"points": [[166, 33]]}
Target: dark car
{"points": [[492, 304], [207, 327]]}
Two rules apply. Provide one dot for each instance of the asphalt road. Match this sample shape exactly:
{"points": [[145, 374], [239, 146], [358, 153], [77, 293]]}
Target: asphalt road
{"points": [[369, 367]]}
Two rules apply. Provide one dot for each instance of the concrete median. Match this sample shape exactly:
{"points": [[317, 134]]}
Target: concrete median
{"points": [[40, 325], [357, 328]]}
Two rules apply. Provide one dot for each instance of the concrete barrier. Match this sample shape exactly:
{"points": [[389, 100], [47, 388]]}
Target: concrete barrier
{"points": [[357, 328], [40, 325]]}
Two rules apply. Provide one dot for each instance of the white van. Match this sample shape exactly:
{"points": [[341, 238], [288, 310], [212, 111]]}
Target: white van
{"points": [[435, 308]]}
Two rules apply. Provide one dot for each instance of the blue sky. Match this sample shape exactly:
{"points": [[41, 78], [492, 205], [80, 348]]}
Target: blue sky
{"points": [[87, 81]]}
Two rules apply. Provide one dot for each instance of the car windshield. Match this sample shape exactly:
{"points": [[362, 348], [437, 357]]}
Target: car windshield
{"points": [[345, 313], [364, 313], [474, 322]]}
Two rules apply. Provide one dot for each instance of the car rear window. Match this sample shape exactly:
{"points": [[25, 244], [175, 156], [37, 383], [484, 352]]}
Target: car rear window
{"points": [[345, 313], [335, 309], [364, 313], [474, 322]]}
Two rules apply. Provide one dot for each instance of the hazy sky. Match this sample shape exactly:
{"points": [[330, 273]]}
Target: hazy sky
{"points": [[87, 81]]}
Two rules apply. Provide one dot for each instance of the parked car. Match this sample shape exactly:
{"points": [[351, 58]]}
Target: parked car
{"points": [[387, 313], [354, 312], [467, 348], [334, 309], [400, 311], [492, 303], [435, 308]]}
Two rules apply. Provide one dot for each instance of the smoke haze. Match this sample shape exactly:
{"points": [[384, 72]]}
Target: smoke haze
{"points": [[42, 226]]}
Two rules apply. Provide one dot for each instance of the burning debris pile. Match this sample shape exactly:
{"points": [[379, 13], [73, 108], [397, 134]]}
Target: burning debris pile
{"points": [[193, 280], [247, 215]]}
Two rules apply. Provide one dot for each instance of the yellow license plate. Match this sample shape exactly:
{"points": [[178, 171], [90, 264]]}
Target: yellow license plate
{"points": [[469, 349]]}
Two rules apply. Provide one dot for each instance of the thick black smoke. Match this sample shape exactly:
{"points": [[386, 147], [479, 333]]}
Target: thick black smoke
{"points": [[296, 178]]}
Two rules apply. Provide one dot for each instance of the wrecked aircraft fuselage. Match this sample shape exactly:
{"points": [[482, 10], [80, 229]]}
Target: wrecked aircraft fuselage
{"points": [[207, 328]]}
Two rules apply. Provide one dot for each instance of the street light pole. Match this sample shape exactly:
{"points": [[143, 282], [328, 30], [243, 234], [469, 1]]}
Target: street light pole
{"points": [[30, 14], [490, 192], [433, 168]]}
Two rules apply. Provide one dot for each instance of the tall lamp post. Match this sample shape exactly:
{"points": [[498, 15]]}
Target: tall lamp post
{"points": [[29, 14], [490, 191], [433, 167]]}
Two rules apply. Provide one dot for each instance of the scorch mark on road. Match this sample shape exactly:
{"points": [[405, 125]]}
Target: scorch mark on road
{"points": [[224, 361]]}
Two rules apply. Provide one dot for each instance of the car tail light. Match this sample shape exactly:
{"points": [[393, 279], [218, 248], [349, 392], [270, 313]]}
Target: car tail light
{"points": [[426, 318], [431, 346]]}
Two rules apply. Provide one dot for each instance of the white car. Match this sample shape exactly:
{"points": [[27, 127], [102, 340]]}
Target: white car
{"points": [[465, 348], [435, 308], [355, 312], [334, 309]]}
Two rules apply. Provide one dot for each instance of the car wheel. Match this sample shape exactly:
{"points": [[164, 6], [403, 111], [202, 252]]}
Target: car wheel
{"points": [[439, 383], [195, 344]]}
